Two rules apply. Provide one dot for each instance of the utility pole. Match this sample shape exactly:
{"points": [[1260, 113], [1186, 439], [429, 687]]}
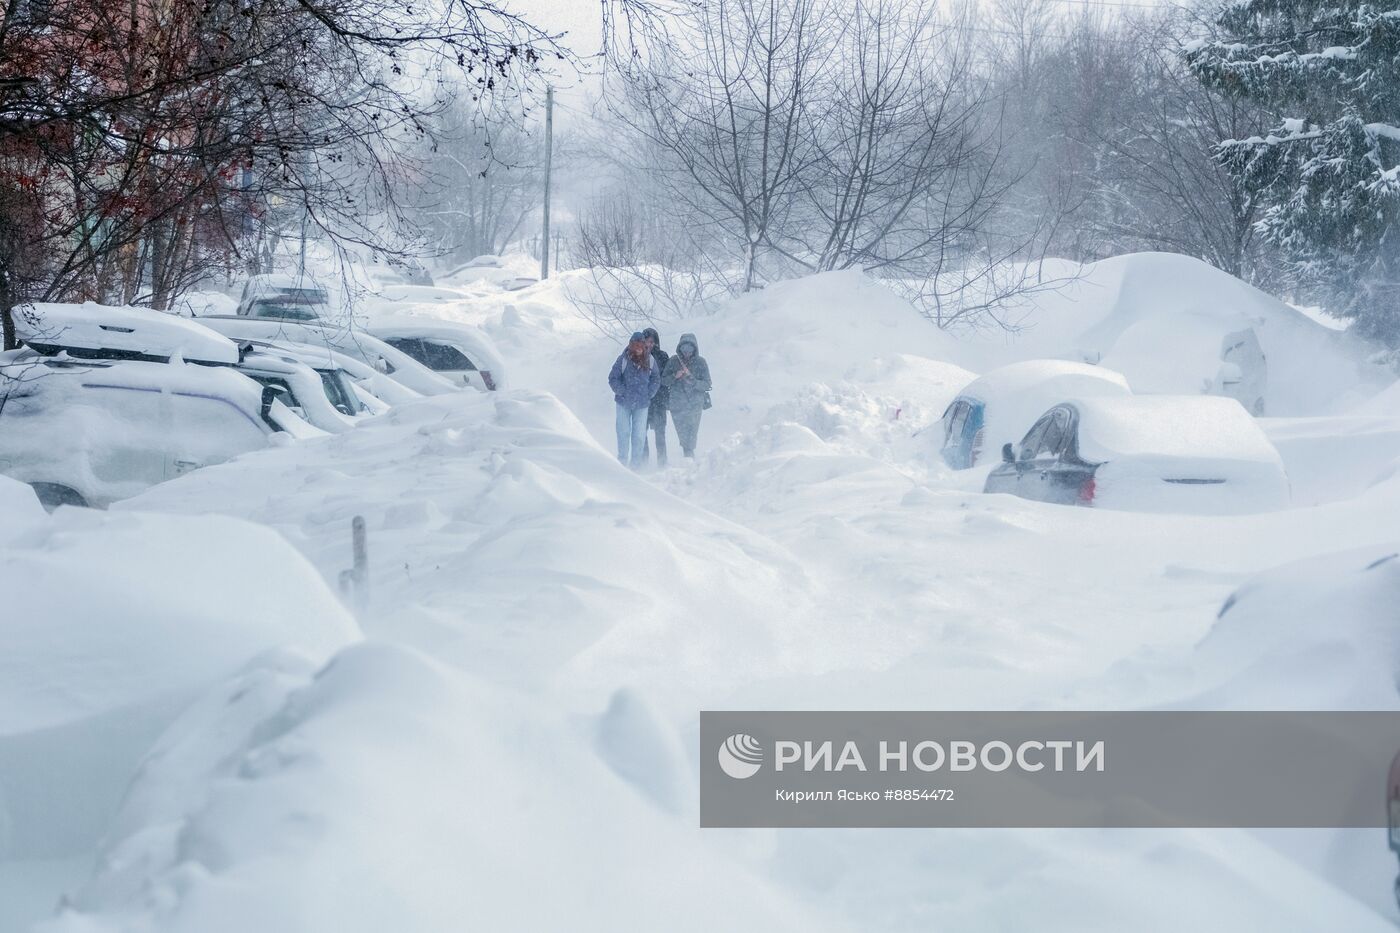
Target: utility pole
{"points": [[548, 160], [301, 260]]}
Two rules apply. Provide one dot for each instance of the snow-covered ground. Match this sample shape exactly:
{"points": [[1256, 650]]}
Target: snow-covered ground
{"points": [[505, 736]]}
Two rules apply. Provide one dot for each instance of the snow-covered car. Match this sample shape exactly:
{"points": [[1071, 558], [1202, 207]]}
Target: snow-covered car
{"points": [[492, 270], [1175, 325], [1214, 354], [318, 388], [459, 352], [107, 332], [90, 432], [406, 272], [486, 261], [285, 297], [999, 406], [1160, 453], [323, 395], [368, 349]]}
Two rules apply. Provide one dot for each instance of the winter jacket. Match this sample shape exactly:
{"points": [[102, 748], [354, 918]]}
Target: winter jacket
{"points": [[659, 359], [687, 394], [633, 387]]}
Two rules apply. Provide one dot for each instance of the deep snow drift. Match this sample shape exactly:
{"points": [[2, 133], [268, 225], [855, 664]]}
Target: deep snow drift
{"points": [[115, 623], [543, 626], [1158, 318], [385, 792]]}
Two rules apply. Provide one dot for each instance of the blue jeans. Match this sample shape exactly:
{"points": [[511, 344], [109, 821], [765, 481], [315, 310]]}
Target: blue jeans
{"points": [[631, 435]]}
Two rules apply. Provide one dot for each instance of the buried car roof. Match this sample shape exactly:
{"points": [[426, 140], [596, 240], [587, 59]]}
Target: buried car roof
{"points": [[91, 326], [1020, 377]]}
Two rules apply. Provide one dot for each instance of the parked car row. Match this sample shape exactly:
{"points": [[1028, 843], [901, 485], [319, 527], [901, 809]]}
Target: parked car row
{"points": [[102, 402], [1075, 434]]}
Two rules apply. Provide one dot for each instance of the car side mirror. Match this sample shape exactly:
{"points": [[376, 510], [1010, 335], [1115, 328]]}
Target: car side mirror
{"points": [[1007, 454]]}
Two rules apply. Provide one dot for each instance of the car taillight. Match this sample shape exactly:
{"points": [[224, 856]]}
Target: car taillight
{"points": [[1087, 490], [486, 378]]}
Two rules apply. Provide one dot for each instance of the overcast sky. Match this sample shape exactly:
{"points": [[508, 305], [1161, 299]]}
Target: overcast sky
{"points": [[581, 19]]}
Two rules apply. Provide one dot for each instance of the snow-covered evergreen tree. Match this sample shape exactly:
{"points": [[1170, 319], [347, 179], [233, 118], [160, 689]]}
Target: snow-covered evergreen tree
{"points": [[1329, 169]]}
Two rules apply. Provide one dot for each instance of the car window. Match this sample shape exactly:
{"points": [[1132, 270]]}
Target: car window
{"points": [[957, 419], [285, 309], [1066, 419], [211, 429], [1031, 442], [443, 357], [338, 392], [410, 346], [132, 442], [1053, 434], [1052, 440]]}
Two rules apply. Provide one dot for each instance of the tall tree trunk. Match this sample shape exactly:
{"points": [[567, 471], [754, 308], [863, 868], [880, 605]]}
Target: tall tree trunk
{"points": [[7, 320], [8, 340]]}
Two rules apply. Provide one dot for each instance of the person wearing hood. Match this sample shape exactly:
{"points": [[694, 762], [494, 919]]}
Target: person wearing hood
{"points": [[634, 379], [687, 380], [656, 415]]}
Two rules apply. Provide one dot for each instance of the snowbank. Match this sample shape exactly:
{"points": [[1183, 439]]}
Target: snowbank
{"points": [[1159, 317], [832, 328], [386, 792], [495, 271], [1313, 634], [1334, 458], [1386, 402], [105, 610], [112, 624], [502, 538], [19, 508]]}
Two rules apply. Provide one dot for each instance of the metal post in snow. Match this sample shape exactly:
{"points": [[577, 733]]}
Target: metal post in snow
{"points": [[354, 583], [361, 565]]}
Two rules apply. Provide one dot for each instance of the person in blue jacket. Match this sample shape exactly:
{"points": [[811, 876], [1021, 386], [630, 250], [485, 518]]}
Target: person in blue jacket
{"points": [[634, 380]]}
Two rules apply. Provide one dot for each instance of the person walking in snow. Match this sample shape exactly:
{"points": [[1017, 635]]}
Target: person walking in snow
{"points": [[687, 380], [656, 415], [634, 380]]}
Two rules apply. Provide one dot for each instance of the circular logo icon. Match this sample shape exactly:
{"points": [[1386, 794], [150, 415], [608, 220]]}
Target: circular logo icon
{"points": [[741, 756]]}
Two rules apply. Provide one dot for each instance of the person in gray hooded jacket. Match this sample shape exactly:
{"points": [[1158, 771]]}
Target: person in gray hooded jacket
{"points": [[687, 377]]}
